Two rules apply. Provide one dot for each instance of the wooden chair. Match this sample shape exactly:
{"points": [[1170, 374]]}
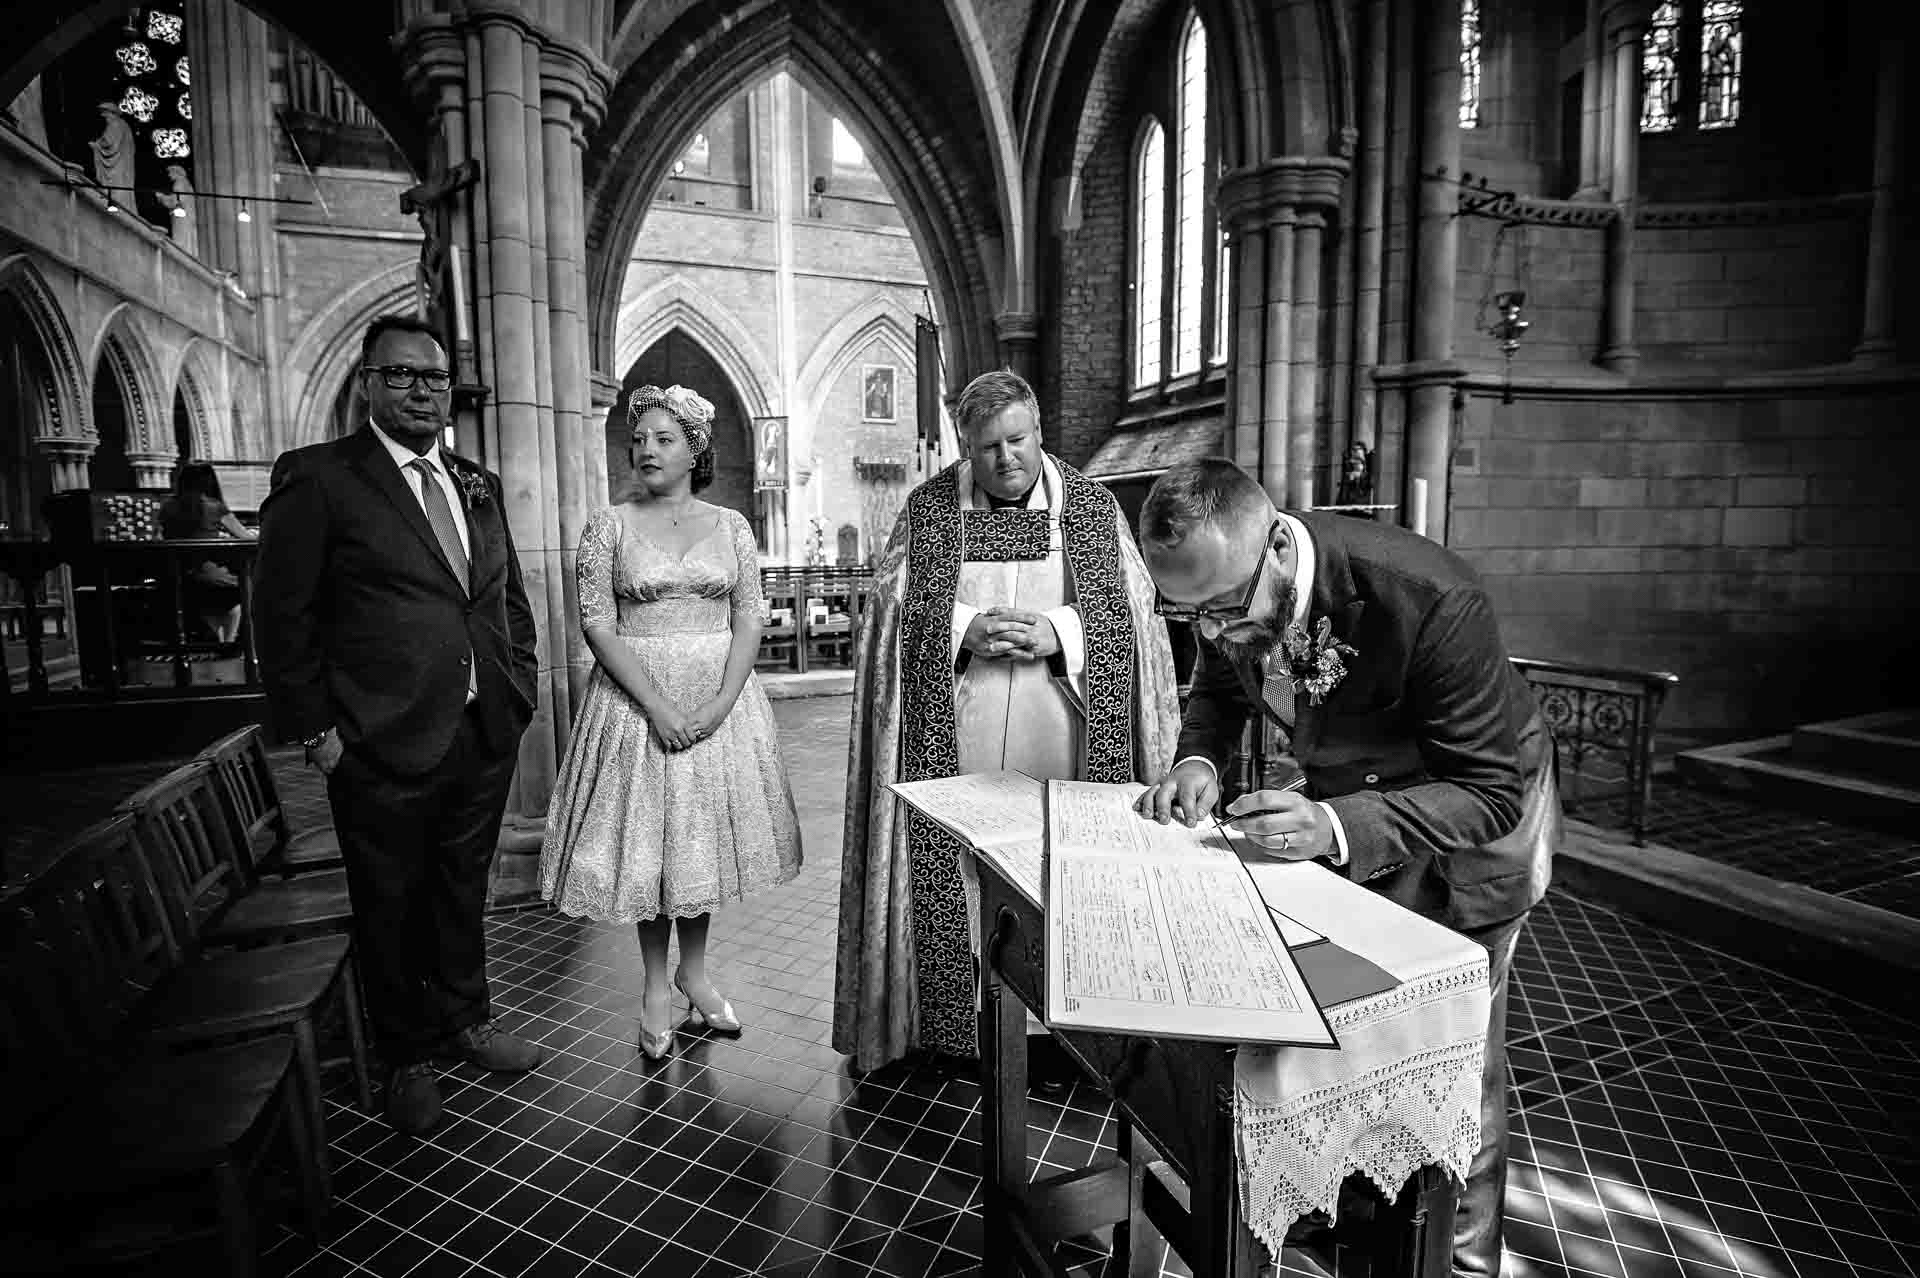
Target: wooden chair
{"points": [[782, 643], [241, 910], [240, 759], [185, 825], [113, 1155]]}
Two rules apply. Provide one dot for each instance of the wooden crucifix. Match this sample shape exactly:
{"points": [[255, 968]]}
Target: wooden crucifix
{"points": [[441, 295]]}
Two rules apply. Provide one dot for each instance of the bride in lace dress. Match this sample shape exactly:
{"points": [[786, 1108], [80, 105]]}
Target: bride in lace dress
{"points": [[672, 799]]}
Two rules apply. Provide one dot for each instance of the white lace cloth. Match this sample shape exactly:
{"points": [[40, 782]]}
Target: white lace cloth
{"points": [[1403, 1091]]}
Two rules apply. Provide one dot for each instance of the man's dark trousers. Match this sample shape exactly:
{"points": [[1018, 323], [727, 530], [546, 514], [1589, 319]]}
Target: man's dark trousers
{"points": [[1483, 1201], [418, 853]]}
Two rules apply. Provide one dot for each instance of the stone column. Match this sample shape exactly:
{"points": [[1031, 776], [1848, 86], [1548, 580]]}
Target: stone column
{"points": [[1436, 251], [1019, 333], [568, 79], [1628, 26], [67, 459], [1370, 228], [1277, 213], [1876, 346], [1595, 138], [152, 470]]}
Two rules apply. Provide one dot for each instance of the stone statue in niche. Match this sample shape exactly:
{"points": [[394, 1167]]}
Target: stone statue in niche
{"points": [[29, 117], [184, 224], [113, 153]]}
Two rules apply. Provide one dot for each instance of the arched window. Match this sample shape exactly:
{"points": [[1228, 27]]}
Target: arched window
{"points": [[1149, 257], [1191, 220], [1179, 250], [1674, 85]]}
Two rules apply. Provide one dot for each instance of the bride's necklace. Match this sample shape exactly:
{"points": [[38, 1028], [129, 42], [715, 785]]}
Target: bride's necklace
{"points": [[685, 512]]}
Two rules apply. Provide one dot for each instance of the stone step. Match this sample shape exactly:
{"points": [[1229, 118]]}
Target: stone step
{"points": [[1884, 745], [1768, 771], [1839, 944]]}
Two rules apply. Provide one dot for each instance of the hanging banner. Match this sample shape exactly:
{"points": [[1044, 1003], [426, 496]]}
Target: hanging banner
{"points": [[927, 380], [769, 454]]}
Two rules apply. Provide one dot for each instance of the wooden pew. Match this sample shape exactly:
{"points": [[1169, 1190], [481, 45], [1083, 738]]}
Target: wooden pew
{"points": [[110, 1148]]}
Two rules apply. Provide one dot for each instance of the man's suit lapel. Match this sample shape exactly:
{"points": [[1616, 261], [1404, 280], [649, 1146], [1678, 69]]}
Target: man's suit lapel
{"points": [[1334, 597], [371, 460], [486, 556]]}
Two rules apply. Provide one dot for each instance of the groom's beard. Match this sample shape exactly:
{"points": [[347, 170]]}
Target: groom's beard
{"points": [[1251, 641]]}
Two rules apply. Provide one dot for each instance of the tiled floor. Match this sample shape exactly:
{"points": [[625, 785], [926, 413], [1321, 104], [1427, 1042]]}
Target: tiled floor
{"points": [[1676, 1112], [1873, 866]]}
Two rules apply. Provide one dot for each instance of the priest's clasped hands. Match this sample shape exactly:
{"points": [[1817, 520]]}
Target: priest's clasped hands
{"points": [[1284, 824], [1011, 632]]}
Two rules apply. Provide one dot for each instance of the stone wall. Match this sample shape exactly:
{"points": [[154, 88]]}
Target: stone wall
{"points": [[1761, 546], [1085, 351]]}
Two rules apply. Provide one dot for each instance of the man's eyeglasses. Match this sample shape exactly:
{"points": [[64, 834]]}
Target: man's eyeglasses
{"points": [[400, 377], [1222, 613]]}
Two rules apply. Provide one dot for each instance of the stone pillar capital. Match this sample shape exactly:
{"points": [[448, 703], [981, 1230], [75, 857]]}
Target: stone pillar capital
{"points": [[603, 390], [66, 447], [1017, 326], [571, 73], [433, 57], [1280, 190], [1626, 21]]}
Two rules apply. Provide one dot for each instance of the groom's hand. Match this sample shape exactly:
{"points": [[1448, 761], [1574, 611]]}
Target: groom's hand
{"points": [[1284, 824], [1187, 795], [326, 755]]}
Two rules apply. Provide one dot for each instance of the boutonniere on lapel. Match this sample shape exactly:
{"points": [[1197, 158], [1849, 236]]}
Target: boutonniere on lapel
{"points": [[473, 487], [1315, 662]]}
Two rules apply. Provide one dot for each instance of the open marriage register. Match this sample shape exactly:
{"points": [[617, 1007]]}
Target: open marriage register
{"points": [[1151, 929]]}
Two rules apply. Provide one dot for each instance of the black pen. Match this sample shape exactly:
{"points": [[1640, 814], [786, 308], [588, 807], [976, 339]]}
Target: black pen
{"points": [[1298, 783]]}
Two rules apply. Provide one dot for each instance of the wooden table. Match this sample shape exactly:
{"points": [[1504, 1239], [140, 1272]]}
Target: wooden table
{"points": [[1178, 1096]]}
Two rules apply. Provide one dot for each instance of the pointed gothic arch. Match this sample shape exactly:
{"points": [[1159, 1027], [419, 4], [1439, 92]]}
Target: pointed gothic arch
{"points": [[197, 386], [123, 351], [879, 318], [66, 392], [678, 302], [899, 95]]}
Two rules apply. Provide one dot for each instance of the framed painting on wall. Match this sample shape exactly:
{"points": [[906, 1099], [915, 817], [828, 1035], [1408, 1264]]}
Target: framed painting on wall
{"points": [[878, 402], [770, 454]]}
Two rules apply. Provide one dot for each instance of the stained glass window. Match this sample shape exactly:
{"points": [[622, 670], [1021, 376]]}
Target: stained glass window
{"points": [[1150, 211], [1660, 71], [1190, 210], [170, 144], [181, 71], [136, 58], [164, 27], [186, 106], [1470, 64], [138, 103], [1720, 64], [847, 151]]}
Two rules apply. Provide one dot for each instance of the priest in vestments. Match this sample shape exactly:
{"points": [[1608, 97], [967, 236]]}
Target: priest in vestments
{"points": [[1012, 626]]}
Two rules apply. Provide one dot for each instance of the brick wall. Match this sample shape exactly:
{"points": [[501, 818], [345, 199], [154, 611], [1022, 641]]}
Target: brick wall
{"points": [[1084, 351], [1761, 548]]}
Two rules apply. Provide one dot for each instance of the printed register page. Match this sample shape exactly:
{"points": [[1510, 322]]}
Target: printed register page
{"points": [[1158, 930]]}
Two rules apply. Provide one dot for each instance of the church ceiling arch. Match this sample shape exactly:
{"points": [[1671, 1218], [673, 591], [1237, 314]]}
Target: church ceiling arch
{"points": [[1282, 69], [124, 351], [67, 391], [880, 318], [900, 79], [351, 36], [677, 302]]}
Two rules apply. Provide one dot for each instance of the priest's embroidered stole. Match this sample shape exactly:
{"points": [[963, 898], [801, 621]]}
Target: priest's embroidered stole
{"points": [[1005, 536]]}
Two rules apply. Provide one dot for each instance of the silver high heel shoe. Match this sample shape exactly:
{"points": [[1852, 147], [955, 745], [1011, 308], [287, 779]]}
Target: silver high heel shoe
{"points": [[657, 1047], [722, 1022]]}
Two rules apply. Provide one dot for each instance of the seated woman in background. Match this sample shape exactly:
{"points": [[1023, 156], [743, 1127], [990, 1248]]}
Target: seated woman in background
{"points": [[196, 511]]}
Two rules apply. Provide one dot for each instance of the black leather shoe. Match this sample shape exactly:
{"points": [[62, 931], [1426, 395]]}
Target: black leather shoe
{"points": [[492, 1048], [413, 1099], [1051, 1073]]}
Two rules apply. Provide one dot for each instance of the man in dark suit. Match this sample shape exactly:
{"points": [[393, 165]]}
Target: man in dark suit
{"points": [[397, 646], [1429, 771]]}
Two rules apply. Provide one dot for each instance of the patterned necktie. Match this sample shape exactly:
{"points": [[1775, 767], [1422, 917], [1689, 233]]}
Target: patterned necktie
{"points": [[1277, 691], [440, 515]]}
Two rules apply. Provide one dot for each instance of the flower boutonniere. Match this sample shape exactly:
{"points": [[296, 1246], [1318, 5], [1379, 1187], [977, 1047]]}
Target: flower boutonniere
{"points": [[1315, 663], [473, 487]]}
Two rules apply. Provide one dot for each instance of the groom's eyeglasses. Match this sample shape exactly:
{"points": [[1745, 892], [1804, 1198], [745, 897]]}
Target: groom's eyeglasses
{"points": [[399, 377], [1193, 614]]}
